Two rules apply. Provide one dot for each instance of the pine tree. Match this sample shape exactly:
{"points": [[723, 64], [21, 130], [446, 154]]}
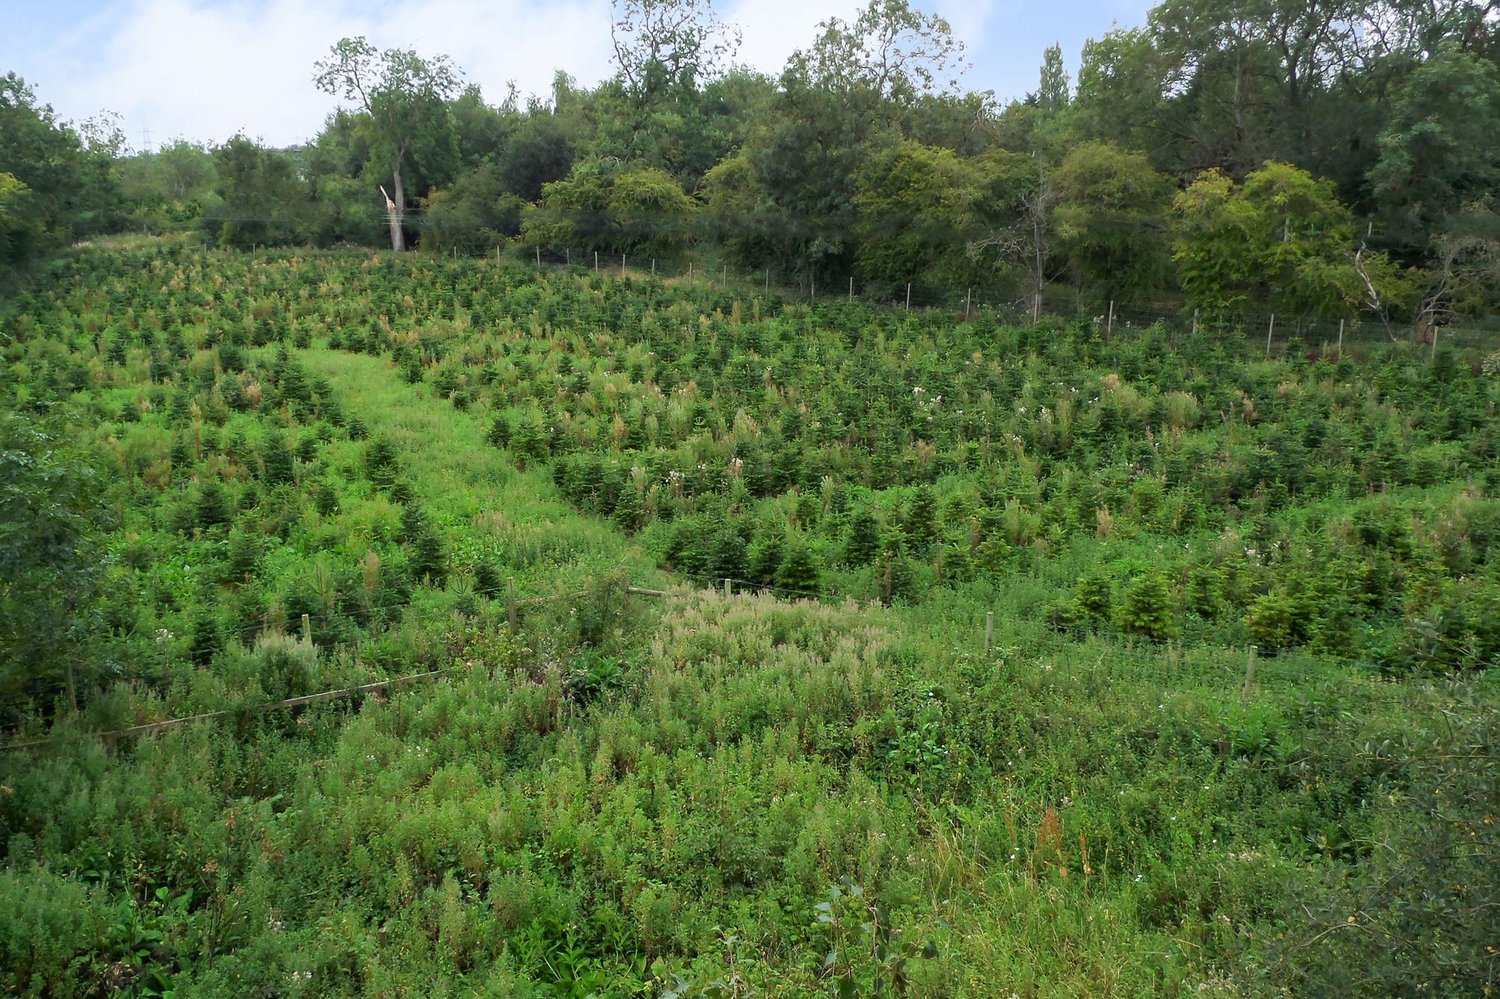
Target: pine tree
{"points": [[921, 518], [381, 463], [799, 570], [766, 556], [429, 556], [629, 511], [1145, 609], [205, 641], [276, 458], [212, 508], [863, 543], [244, 555]]}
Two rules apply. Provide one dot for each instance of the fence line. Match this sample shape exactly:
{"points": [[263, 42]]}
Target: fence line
{"points": [[150, 728], [1004, 302], [1116, 318], [1247, 684]]}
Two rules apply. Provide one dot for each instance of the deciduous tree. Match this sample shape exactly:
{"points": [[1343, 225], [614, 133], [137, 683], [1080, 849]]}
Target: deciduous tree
{"points": [[405, 98]]}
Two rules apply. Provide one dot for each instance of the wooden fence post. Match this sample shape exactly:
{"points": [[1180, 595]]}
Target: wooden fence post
{"points": [[306, 628], [510, 602], [728, 587], [1109, 326], [1341, 340], [1269, 331], [989, 631], [1249, 676], [538, 255], [908, 296], [851, 287], [596, 261], [968, 300]]}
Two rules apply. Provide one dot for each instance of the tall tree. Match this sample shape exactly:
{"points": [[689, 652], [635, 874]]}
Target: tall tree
{"points": [[665, 45], [405, 97], [1280, 241], [258, 196], [1122, 84], [69, 183], [891, 50], [51, 563], [1052, 90], [1437, 152], [635, 209], [1020, 199], [166, 189], [474, 214], [1110, 221], [20, 230], [917, 213], [661, 109]]}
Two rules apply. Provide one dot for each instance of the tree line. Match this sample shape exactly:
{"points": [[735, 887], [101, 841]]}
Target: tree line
{"points": [[1315, 158]]}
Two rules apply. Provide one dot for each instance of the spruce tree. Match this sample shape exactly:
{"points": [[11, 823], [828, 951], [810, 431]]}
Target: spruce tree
{"points": [[799, 570], [863, 542]]}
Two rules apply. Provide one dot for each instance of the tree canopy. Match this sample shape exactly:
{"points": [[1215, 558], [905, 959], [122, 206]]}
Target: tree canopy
{"points": [[1347, 146]]}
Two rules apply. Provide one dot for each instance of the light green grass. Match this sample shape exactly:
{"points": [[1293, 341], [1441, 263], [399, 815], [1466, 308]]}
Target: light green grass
{"points": [[472, 487]]}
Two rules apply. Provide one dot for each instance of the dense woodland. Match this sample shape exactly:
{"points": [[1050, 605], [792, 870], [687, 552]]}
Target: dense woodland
{"points": [[648, 635], [1309, 159]]}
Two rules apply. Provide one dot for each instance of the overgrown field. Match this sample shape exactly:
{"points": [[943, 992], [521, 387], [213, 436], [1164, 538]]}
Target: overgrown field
{"points": [[230, 480]]}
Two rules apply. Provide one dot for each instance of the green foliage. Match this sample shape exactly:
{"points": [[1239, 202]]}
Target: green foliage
{"points": [[402, 101], [428, 554], [631, 794], [1145, 608], [1279, 242], [257, 197], [1110, 203], [475, 214], [51, 563], [919, 208], [799, 571], [635, 209], [55, 185], [1434, 154], [1409, 916]]}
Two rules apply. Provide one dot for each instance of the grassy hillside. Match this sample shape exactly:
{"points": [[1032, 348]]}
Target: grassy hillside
{"points": [[826, 783]]}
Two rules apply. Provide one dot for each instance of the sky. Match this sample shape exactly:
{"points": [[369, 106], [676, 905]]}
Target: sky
{"points": [[204, 70]]}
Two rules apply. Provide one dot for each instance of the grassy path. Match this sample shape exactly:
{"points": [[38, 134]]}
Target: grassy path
{"points": [[517, 517]]}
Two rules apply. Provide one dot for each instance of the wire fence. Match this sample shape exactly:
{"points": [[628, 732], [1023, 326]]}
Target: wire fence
{"points": [[1000, 296], [1169, 666], [1117, 319], [1281, 335]]}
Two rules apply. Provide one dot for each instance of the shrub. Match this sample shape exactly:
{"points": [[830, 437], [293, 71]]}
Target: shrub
{"points": [[799, 569], [1145, 608]]}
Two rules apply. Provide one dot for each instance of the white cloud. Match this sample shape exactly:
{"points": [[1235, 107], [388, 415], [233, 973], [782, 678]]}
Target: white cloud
{"points": [[204, 69], [774, 29]]}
